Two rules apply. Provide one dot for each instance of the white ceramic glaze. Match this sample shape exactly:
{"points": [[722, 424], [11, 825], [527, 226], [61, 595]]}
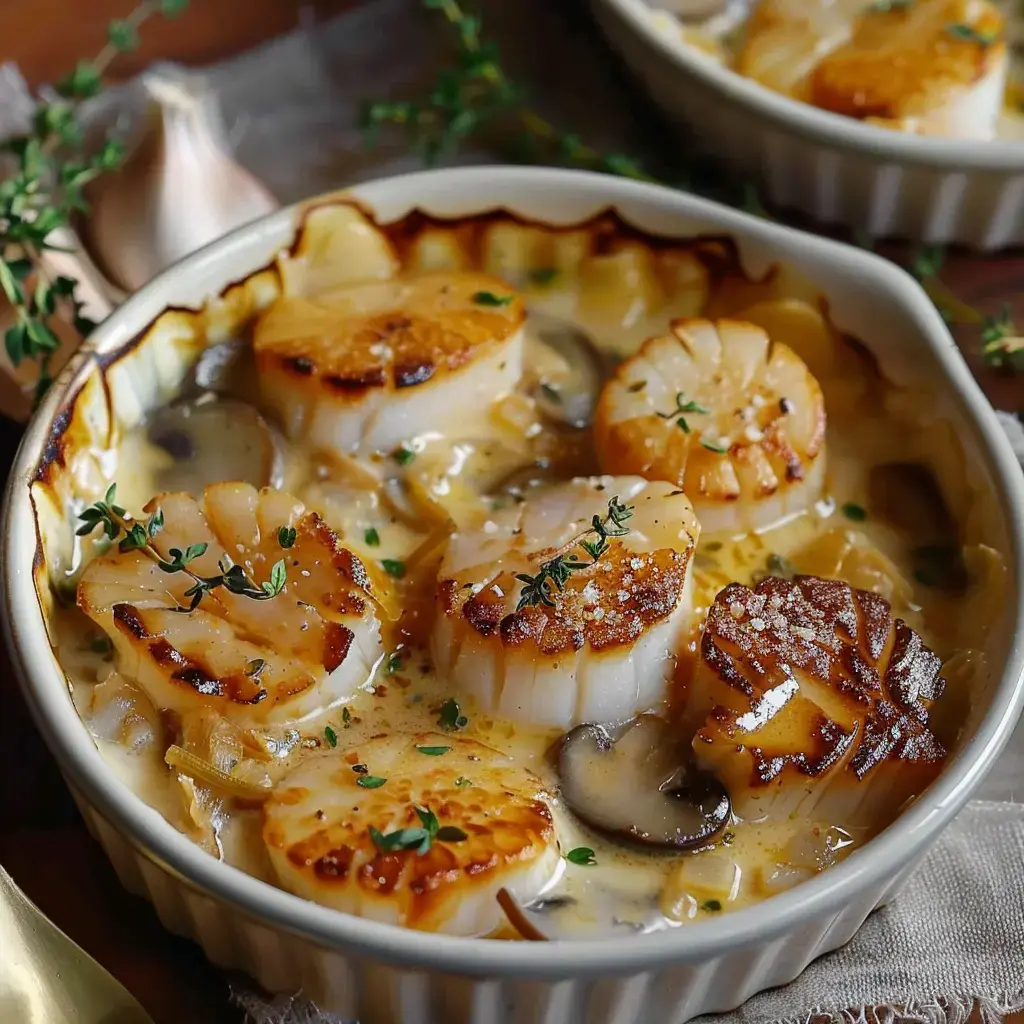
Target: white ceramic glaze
{"points": [[836, 169], [386, 975]]}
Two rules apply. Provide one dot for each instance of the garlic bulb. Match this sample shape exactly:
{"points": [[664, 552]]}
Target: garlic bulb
{"points": [[178, 189]]}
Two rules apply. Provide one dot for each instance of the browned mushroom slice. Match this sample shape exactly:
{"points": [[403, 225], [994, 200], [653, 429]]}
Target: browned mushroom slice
{"points": [[815, 700], [639, 786]]}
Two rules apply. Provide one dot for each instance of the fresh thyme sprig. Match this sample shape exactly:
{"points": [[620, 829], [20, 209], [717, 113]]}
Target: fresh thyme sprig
{"points": [[46, 190], [556, 571], [137, 536], [475, 93], [419, 839]]}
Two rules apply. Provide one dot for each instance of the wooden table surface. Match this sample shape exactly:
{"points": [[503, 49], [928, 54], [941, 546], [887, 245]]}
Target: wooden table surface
{"points": [[43, 843]]}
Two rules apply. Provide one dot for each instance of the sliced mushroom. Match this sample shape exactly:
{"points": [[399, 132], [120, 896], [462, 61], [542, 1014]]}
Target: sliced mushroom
{"points": [[569, 373], [640, 786], [213, 439]]}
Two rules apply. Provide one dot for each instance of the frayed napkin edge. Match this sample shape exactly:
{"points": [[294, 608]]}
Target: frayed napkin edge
{"points": [[943, 1010]]}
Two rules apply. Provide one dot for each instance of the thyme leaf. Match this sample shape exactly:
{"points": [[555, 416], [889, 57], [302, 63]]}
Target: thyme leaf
{"points": [[137, 535], [553, 574]]}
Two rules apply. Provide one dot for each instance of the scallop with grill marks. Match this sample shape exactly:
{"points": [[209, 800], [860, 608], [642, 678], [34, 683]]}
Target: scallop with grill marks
{"points": [[816, 702], [255, 660]]}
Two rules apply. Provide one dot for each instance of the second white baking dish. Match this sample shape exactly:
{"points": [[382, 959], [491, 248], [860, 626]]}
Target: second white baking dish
{"points": [[839, 171]]}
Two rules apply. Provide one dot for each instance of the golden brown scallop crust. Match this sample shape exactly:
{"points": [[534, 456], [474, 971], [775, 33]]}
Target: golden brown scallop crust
{"points": [[762, 454], [870, 679], [504, 830], [144, 607], [388, 335], [636, 592], [897, 59]]}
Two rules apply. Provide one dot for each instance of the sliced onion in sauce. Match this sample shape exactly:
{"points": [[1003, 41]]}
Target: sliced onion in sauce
{"points": [[640, 787], [202, 771]]}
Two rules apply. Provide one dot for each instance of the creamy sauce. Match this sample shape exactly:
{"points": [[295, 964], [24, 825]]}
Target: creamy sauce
{"points": [[401, 508]]}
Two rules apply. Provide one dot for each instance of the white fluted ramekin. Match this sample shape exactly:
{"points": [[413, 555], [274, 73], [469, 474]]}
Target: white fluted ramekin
{"points": [[386, 975], [836, 169]]}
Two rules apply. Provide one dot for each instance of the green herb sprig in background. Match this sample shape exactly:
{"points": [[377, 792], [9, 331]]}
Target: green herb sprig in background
{"points": [[52, 167]]}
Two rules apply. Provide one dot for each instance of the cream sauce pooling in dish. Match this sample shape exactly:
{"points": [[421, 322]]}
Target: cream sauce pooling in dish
{"points": [[374, 713]]}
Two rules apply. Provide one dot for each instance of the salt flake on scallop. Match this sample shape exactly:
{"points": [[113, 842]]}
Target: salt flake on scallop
{"points": [[815, 702], [726, 413], [596, 643]]}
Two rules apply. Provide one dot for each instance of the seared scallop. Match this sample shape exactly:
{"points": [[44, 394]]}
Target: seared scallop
{"points": [[414, 830], [722, 411], [570, 607], [933, 66], [291, 630], [816, 702], [363, 369]]}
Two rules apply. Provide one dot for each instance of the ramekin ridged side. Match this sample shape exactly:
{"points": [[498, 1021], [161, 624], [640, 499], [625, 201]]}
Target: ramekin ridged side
{"points": [[837, 170], [374, 992]]}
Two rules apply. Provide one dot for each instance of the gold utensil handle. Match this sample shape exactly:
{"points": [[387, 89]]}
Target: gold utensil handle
{"points": [[45, 978]]}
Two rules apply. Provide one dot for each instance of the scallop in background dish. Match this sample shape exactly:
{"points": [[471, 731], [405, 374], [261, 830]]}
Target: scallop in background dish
{"points": [[719, 409], [415, 830], [570, 607], [363, 369]]}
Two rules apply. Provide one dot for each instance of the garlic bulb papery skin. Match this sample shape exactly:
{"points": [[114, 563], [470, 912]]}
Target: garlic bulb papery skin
{"points": [[178, 189]]}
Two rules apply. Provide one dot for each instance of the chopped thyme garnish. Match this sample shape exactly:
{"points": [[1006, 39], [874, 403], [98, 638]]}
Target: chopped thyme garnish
{"points": [[543, 275], [682, 407], [582, 855], [713, 446], [556, 571], [490, 299], [286, 536], [433, 751], [711, 905], [882, 6], [331, 736], [393, 663], [462, 781], [552, 394], [137, 536], [854, 511], [255, 667], [371, 537], [418, 839], [728, 838], [370, 781], [450, 716], [393, 567], [403, 455], [969, 34], [346, 717]]}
